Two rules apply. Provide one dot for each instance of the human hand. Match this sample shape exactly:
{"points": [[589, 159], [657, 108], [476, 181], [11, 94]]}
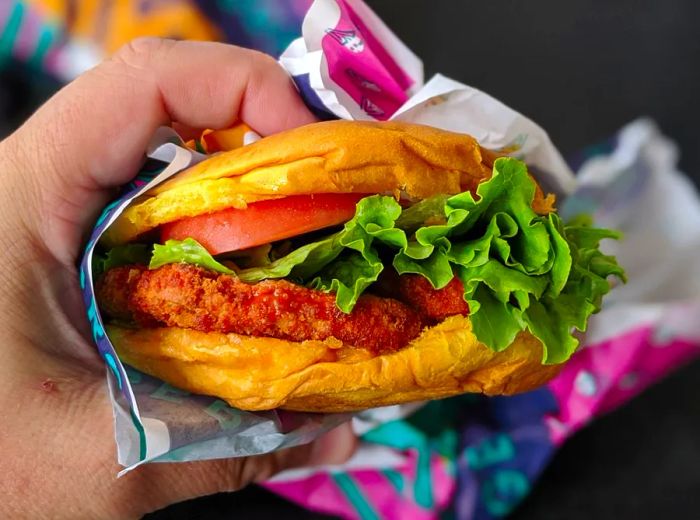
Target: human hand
{"points": [[56, 172]]}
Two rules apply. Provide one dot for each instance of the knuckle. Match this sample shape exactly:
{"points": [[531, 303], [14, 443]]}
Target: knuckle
{"points": [[234, 474], [262, 64], [229, 474], [140, 52], [265, 60]]}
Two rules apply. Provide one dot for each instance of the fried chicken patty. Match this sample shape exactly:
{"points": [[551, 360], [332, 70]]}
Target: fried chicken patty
{"points": [[435, 304], [186, 296]]}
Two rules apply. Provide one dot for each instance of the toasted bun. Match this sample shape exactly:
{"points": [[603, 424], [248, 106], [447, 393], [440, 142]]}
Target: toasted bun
{"points": [[332, 157], [325, 376]]}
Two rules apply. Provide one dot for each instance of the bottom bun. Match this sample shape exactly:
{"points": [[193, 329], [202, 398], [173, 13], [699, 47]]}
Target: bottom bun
{"points": [[327, 376]]}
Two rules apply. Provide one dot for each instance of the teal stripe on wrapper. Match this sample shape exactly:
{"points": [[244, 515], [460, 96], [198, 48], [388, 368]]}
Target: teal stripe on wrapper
{"points": [[142, 435], [112, 364], [137, 422], [395, 478], [9, 33], [355, 496], [422, 489], [43, 45], [402, 436]]}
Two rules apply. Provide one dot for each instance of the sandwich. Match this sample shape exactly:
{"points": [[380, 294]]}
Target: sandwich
{"points": [[346, 265]]}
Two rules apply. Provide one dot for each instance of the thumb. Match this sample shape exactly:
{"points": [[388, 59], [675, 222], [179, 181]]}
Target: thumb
{"points": [[155, 486]]}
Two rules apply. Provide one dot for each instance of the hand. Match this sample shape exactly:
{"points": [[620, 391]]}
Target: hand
{"points": [[56, 172]]}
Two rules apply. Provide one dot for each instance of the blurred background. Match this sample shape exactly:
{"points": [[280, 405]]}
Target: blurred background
{"points": [[581, 69]]}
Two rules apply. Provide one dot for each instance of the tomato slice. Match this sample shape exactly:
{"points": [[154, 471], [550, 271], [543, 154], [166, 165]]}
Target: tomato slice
{"points": [[264, 222]]}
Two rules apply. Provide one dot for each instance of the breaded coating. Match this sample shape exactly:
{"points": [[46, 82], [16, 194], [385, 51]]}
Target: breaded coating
{"points": [[187, 296], [416, 292]]}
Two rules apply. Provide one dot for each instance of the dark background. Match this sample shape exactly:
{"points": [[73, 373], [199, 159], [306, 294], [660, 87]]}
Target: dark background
{"points": [[581, 69]]}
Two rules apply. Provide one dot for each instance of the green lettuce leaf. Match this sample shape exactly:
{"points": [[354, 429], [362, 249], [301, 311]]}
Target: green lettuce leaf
{"points": [[426, 212], [299, 264], [520, 270], [553, 317], [121, 255], [189, 251], [360, 265]]}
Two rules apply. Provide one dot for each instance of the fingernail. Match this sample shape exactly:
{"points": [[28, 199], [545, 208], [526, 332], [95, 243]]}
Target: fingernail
{"points": [[335, 447]]}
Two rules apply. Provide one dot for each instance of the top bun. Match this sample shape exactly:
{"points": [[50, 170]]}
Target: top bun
{"points": [[401, 159]]}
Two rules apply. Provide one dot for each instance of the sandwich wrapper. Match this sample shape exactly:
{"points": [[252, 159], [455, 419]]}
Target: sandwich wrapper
{"points": [[473, 455]]}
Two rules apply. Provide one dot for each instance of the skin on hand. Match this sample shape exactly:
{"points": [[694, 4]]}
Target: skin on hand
{"points": [[56, 172]]}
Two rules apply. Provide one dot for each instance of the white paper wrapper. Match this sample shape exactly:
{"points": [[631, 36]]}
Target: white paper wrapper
{"points": [[155, 422], [639, 190]]}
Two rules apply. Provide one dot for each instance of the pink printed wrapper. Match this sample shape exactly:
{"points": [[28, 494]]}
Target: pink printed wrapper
{"points": [[361, 56], [355, 66]]}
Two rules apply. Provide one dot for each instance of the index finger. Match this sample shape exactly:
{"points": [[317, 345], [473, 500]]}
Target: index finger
{"points": [[92, 135]]}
